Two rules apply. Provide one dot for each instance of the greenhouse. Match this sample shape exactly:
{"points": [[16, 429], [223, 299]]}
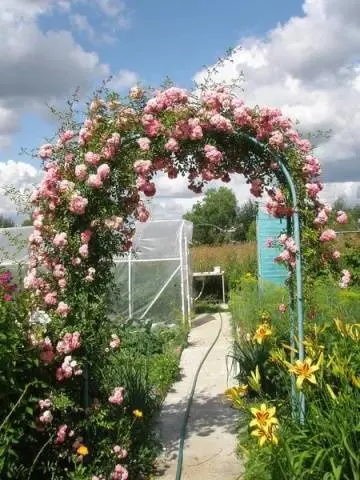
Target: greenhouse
{"points": [[152, 283]]}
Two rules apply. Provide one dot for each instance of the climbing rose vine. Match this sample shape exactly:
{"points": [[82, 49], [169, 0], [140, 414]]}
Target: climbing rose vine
{"points": [[95, 178], [97, 174]]}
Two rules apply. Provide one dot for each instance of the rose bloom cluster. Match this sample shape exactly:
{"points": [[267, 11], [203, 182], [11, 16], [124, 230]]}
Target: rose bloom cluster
{"points": [[288, 255]]}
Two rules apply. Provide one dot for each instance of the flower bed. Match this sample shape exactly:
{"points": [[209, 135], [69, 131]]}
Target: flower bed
{"points": [[44, 431], [275, 445]]}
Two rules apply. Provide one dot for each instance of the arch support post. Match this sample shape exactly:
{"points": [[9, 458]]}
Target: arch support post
{"points": [[299, 293]]}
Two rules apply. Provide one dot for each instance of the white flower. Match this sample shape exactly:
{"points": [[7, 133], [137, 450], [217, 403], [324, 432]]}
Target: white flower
{"points": [[46, 417], [39, 317]]}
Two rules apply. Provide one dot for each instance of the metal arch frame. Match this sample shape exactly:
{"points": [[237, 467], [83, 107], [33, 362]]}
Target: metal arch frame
{"points": [[298, 274]]}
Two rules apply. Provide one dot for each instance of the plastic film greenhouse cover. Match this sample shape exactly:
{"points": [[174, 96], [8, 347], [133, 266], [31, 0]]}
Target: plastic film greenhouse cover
{"points": [[153, 282]]}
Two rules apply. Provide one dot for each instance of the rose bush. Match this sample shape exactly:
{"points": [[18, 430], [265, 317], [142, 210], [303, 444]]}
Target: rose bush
{"points": [[47, 428]]}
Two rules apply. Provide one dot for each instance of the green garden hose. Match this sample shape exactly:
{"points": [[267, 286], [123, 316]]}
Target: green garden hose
{"points": [[187, 412]]}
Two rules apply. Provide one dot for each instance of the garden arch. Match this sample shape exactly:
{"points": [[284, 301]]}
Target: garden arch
{"points": [[97, 170]]}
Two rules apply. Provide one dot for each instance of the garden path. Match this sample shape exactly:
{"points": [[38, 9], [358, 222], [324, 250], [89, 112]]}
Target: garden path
{"points": [[209, 451]]}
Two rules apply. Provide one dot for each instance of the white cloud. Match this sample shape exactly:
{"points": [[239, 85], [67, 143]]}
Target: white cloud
{"points": [[123, 79], [64, 5], [173, 198], [170, 209], [116, 10], [349, 191], [22, 176], [81, 24], [308, 67], [38, 67]]}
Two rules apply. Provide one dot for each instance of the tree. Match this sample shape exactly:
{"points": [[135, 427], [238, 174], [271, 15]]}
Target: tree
{"points": [[247, 218], [251, 233], [219, 208], [27, 222], [6, 222]]}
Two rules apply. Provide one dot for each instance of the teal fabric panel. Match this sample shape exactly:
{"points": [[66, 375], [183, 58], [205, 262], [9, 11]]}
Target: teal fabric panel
{"points": [[269, 227]]}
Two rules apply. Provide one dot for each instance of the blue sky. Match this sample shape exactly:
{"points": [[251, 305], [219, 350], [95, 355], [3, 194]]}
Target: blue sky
{"points": [[162, 38], [301, 56]]}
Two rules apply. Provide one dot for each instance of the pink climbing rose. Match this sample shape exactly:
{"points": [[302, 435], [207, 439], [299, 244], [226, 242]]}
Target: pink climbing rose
{"points": [[328, 236], [119, 473], [341, 217], [117, 397], [63, 309], [144, 143], [61, 434], [336, 254], [60, 240], [172, 145], [78, 204], [86, 236], [45, 403], [51, 298], [115, 341], [345, 279], [69, 343], [269, 243], [94, 181], [46, 417], [103, 171], [84, 250], [81, 171], [120, 452], [92, 158]]}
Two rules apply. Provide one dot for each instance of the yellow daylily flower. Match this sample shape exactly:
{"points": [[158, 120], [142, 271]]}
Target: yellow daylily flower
{"points": [[264, 416], [138, 413], [82, 450], [236, 394], [304, 371], [266, 434], [237, 391], [255, 380], [262, 332], [320, 359], [338, 324]]}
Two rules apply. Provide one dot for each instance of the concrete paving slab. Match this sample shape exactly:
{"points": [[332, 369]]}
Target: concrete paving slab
{"points": [[209, 451]]}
